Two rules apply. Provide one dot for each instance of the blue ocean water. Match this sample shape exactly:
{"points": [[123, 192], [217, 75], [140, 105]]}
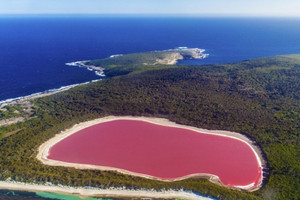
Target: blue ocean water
{"points": [[34, 50]]}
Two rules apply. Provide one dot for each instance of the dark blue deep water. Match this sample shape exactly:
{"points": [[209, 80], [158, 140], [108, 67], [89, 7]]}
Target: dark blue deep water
{"points": [[34, 50]]}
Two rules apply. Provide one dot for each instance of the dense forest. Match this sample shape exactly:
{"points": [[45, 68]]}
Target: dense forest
{"points": [[259, 98]]}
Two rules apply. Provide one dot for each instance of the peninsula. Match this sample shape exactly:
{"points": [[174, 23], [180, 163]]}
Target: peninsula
{"points": [[257, 98], [123, 63]]}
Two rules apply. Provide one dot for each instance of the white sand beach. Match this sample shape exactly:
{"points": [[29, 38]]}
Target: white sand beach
{"points": [[95, 192]]}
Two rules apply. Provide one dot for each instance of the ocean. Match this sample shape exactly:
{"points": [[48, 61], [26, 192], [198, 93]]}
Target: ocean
{"points": [[34, 50]]}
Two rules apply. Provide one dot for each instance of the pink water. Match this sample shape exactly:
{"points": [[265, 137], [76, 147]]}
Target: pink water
{"points": [[160, 151]]}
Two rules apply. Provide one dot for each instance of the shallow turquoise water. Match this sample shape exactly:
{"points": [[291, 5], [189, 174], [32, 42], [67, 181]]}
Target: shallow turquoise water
{"points": [[65, 196], [20, 195]]}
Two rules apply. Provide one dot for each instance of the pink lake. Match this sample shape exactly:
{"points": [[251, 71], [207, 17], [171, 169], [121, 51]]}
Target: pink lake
{"points": [[160, 151]]}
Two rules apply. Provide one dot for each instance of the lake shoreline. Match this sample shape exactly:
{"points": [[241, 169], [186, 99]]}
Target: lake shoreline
{"points": [[44, 149]]}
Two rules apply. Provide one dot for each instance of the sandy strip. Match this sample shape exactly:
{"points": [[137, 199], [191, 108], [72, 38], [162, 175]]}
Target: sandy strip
{"points": [[24, 99], [44, 149], [95, 192]]}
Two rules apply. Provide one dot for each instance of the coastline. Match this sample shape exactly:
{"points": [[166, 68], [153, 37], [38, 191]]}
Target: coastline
{"points": [[25, 102], [97, 192], [33, 96], [99, 71], [44, 149]]}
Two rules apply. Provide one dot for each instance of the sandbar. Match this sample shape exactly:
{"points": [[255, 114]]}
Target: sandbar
{"points": [[97, 192]]}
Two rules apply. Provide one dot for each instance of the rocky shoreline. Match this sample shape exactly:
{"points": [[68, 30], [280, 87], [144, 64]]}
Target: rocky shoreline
{"points": [[99, 71]]}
